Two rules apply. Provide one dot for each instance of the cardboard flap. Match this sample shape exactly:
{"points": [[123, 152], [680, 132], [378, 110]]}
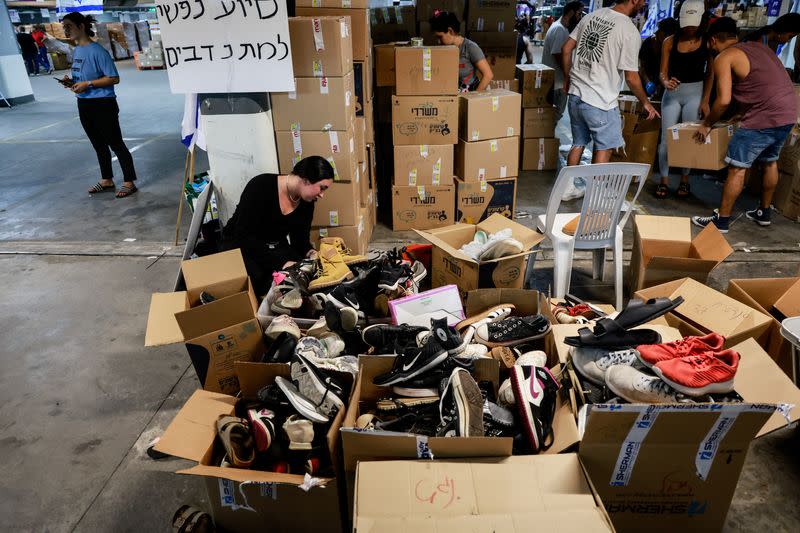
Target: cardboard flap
{"points": [[759, 293], [162, 328], [243, 475], [215, 316], [789, 303], [213, 269], [676, 229], [528, 237], [760, 380], [253, 376], [526, 302], [710, 244], [439, 242], [682, 264], [191, 433]]}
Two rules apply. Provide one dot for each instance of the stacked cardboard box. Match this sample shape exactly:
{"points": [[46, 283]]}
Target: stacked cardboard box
{"points": [[641, 135], [390, 23], [787, 194], [500, 49], [425, 11], [425, 120], [539, 146], [142, 34], [487, 156], [492, 15]]}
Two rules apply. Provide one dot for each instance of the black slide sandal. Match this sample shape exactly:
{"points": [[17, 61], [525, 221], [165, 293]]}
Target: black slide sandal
{"points": [[639, 312]]}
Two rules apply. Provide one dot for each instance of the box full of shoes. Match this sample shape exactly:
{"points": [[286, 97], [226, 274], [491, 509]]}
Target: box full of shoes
{"points": [[684, 151], [513, 494], [492, 253], [664, 250], [264, 466], [215, 316]]}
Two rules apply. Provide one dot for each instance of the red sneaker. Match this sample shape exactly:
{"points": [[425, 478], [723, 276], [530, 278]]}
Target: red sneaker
{"points": [[696, 375], [652, 354]]}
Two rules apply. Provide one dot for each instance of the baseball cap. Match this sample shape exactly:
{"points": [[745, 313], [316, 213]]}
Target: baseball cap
{"points": [[691, 13]]}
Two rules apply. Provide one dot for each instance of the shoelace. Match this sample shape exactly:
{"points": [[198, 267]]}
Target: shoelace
{"points": [[620, 356], [655, 386]]}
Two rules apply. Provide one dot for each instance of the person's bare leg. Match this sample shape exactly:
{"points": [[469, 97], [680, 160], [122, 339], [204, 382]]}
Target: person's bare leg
{"points": [[601, 156], [769, 181], [733, 188], [574, 156]]}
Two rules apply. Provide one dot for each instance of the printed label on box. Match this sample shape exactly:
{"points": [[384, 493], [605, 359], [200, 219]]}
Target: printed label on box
{"points": [[297, 143], [503, 171], [493, 145], [323, 85], [510, 131], [347, 99], [481, 173], [317, 67], [484, 186], [437, 171], [426, 64], [423, 150], [319, 43], [538, 83], [476, 135], [334, 137], [412, 177], [495, 103], [323, 232], [333, 218], [335, 173], [342, 24], [421, 192]]}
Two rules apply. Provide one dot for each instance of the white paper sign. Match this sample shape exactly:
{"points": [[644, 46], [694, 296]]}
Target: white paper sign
{"points": [[226, 46], [14, 14]]}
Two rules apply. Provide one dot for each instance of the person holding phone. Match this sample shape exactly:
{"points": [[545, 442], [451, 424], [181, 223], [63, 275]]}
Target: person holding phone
{"points": [[93, 78]]}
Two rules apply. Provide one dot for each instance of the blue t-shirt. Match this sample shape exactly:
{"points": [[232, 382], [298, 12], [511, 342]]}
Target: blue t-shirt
{"points": [[91, 62]]}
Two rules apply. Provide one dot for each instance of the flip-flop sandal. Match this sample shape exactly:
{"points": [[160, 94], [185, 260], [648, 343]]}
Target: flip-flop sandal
{"points": [[684, 189], [639, 312], [609, 334], [237, 440], [126, 191], [99, 187], [662, 191]]}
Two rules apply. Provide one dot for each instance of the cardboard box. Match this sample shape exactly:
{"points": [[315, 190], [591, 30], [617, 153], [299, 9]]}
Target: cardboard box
{"points": [[369, 123], [426, 164], [426, 8], [492, 19], [360, 139], [683, 151], [339, 206], [639, 148], [483, 160], [426, 70], [787, 195], [422, 207], [419, 309], [788, 305], [628, 104], [509, 85], [488, 114], [321, 46], [500, 49], [789, 161], [664, 250], [392, 23], [539, 122], [451, 266], [359, 26], [536, 82], [384, 65], [246, 500], [513, 494], [478, 200], [425, 119], [364, 184], [346, 4], [316, 104], [705, 310], [356, 237], [338, 147], [540, 154], [761, 294], [216, 334]]}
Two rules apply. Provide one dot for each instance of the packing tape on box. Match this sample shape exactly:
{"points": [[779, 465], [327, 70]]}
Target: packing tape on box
{"points": [[291, 95], [538, 80], [437, 172], [333, 218], [493, 145], [621, 475], [541, 154], [316, 27], [510, 131], [503, 171], [343, 25], [495, 103], [479, 24], [481, 173], [333, 164], [227, 494], [334, 138], [316, 66], [323, 85], [421, 192], [423, 450], [423, 150], [412, 177], [297, 143], [426, 64], [476, 135], [398, 13]]}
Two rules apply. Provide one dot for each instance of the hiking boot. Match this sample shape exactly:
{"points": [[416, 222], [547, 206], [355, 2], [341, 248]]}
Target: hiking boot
{"points": [[635, 386], [461, 406], [281, 349], [282, 324], [696, 375], [512, 331], [413, 361], [318, 385], [262, 421], [535, 391], [347, 255], [760, 216], [592, 363], [722, 224], [384, 337], [332, 271], [300, 433], [652, 354]]}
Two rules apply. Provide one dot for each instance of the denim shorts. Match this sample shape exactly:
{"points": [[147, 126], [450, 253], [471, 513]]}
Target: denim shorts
{"points": [[748, 146], [591, 123]]}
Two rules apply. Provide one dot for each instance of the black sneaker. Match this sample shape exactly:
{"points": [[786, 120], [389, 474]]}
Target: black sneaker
{"points": [[512, 331], [535, 391], [429, 383], [461, 407], [302, 272], [344, 296], [272, 398], [394, 275], [206, 298], [281, 349], [365, 286], [498, 421], [759, 216], [412, 362], [384, 337], [722, 225], [447, 336]]}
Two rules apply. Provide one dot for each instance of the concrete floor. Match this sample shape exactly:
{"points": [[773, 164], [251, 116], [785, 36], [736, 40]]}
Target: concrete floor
{"points": [[80, 397]]}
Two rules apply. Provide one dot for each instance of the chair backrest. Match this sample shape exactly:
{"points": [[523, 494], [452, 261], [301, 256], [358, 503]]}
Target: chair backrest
{"points": [[607, 185]]}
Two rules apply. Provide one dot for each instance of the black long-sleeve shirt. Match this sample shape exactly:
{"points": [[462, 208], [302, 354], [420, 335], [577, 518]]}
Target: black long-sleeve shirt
{"points": [[258, 222]]}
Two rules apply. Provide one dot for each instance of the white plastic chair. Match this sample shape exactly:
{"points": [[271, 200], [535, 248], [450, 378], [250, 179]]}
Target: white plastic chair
{"points": [[599, 226]]}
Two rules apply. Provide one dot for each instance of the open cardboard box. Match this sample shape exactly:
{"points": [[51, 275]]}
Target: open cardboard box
{"points": [[705, 310], [216, 334], [450, 266], [663, 250], [250, 500], [761, 294], [513, 494]]}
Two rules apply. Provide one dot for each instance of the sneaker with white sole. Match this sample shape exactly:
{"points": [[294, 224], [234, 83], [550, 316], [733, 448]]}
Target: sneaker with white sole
{"points": [[461, 406], [413, 361], [532, 358], [760, 216], [501, 248], [304, 406], [635, 386], [593, 363], [474, 247], [714, 218], [512, 331], [535, 391], [262, 421], [505, 394], [324, 390], [300, 433]]}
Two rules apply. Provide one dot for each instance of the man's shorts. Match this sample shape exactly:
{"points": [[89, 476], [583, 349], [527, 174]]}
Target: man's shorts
{"points": [[591, 123], [748, 146]]}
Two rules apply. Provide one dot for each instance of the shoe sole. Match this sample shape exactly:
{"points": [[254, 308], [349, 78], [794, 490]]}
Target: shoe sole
{"points": [[262, 434], [512, 343], [328, 396], [759, 222], [477, 318], [303, 405], [315, 287], [415, 393], [469, 404], [702, 226], [721, 387], [524, 408], [438, 359]]}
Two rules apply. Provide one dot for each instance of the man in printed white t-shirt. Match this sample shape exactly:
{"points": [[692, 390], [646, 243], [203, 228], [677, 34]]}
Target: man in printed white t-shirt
{"points": [[606, 45]]}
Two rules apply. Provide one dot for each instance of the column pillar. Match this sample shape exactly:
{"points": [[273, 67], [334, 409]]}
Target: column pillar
{"points": [[14, 83]]}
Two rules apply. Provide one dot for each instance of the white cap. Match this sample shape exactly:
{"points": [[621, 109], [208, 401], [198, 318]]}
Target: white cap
{"points": [[691, 13]]}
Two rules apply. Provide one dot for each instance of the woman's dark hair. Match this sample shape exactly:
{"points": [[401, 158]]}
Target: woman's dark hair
{"points": [[80, 19], [442, 20], [724, 29], [788, 23], [572, 7], [669, 26], [313, 169]]}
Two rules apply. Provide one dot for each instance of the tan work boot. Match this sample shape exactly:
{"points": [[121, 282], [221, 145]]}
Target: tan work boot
{"points": [[347, 255], [332, 269]]}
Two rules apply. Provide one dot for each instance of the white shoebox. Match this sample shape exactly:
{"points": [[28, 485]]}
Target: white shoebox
{"points": [[419, 309]]}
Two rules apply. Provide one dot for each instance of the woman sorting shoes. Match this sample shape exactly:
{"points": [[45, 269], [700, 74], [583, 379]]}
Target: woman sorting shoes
{"points": [[474, 71], [272, 223]]}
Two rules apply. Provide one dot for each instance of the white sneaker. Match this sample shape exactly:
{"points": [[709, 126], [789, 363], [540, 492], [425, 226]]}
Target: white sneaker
{"points": [[505, 394], [500, 244], [534, 358], [474, 247], [300, 432], [593, 363], [282, 324], [475, 351], [637, 387]]}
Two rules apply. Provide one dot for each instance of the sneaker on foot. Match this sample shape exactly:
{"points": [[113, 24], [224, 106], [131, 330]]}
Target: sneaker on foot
{"points": [[696, 375], [593, 363], [635, 386], [760, 216], [413, 361], [721, 224], [535, 391], [512, 331], [461, 406], [651, 354]]}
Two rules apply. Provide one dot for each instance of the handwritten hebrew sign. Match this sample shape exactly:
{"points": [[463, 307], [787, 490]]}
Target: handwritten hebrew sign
{"points": [[226, 46]]}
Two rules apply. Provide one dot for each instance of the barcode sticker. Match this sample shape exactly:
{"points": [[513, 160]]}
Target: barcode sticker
{"points": [[495, 103], [316, 3], [510, 131], [412, 177], [335, 172], [541, 154], [476, 135], [437, 172], [538, 83], [674, 134], [347, 98], [484, 186], [297, 143], [323, 85], [493, 145], [423, 150], [333, 218], [334, 138], [426, 64], [316, 26], [503, 171], [421, 192], [317, 67]]}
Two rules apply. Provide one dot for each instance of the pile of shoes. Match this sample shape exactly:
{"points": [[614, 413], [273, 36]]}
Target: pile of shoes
{"points": [[616, 363]]}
